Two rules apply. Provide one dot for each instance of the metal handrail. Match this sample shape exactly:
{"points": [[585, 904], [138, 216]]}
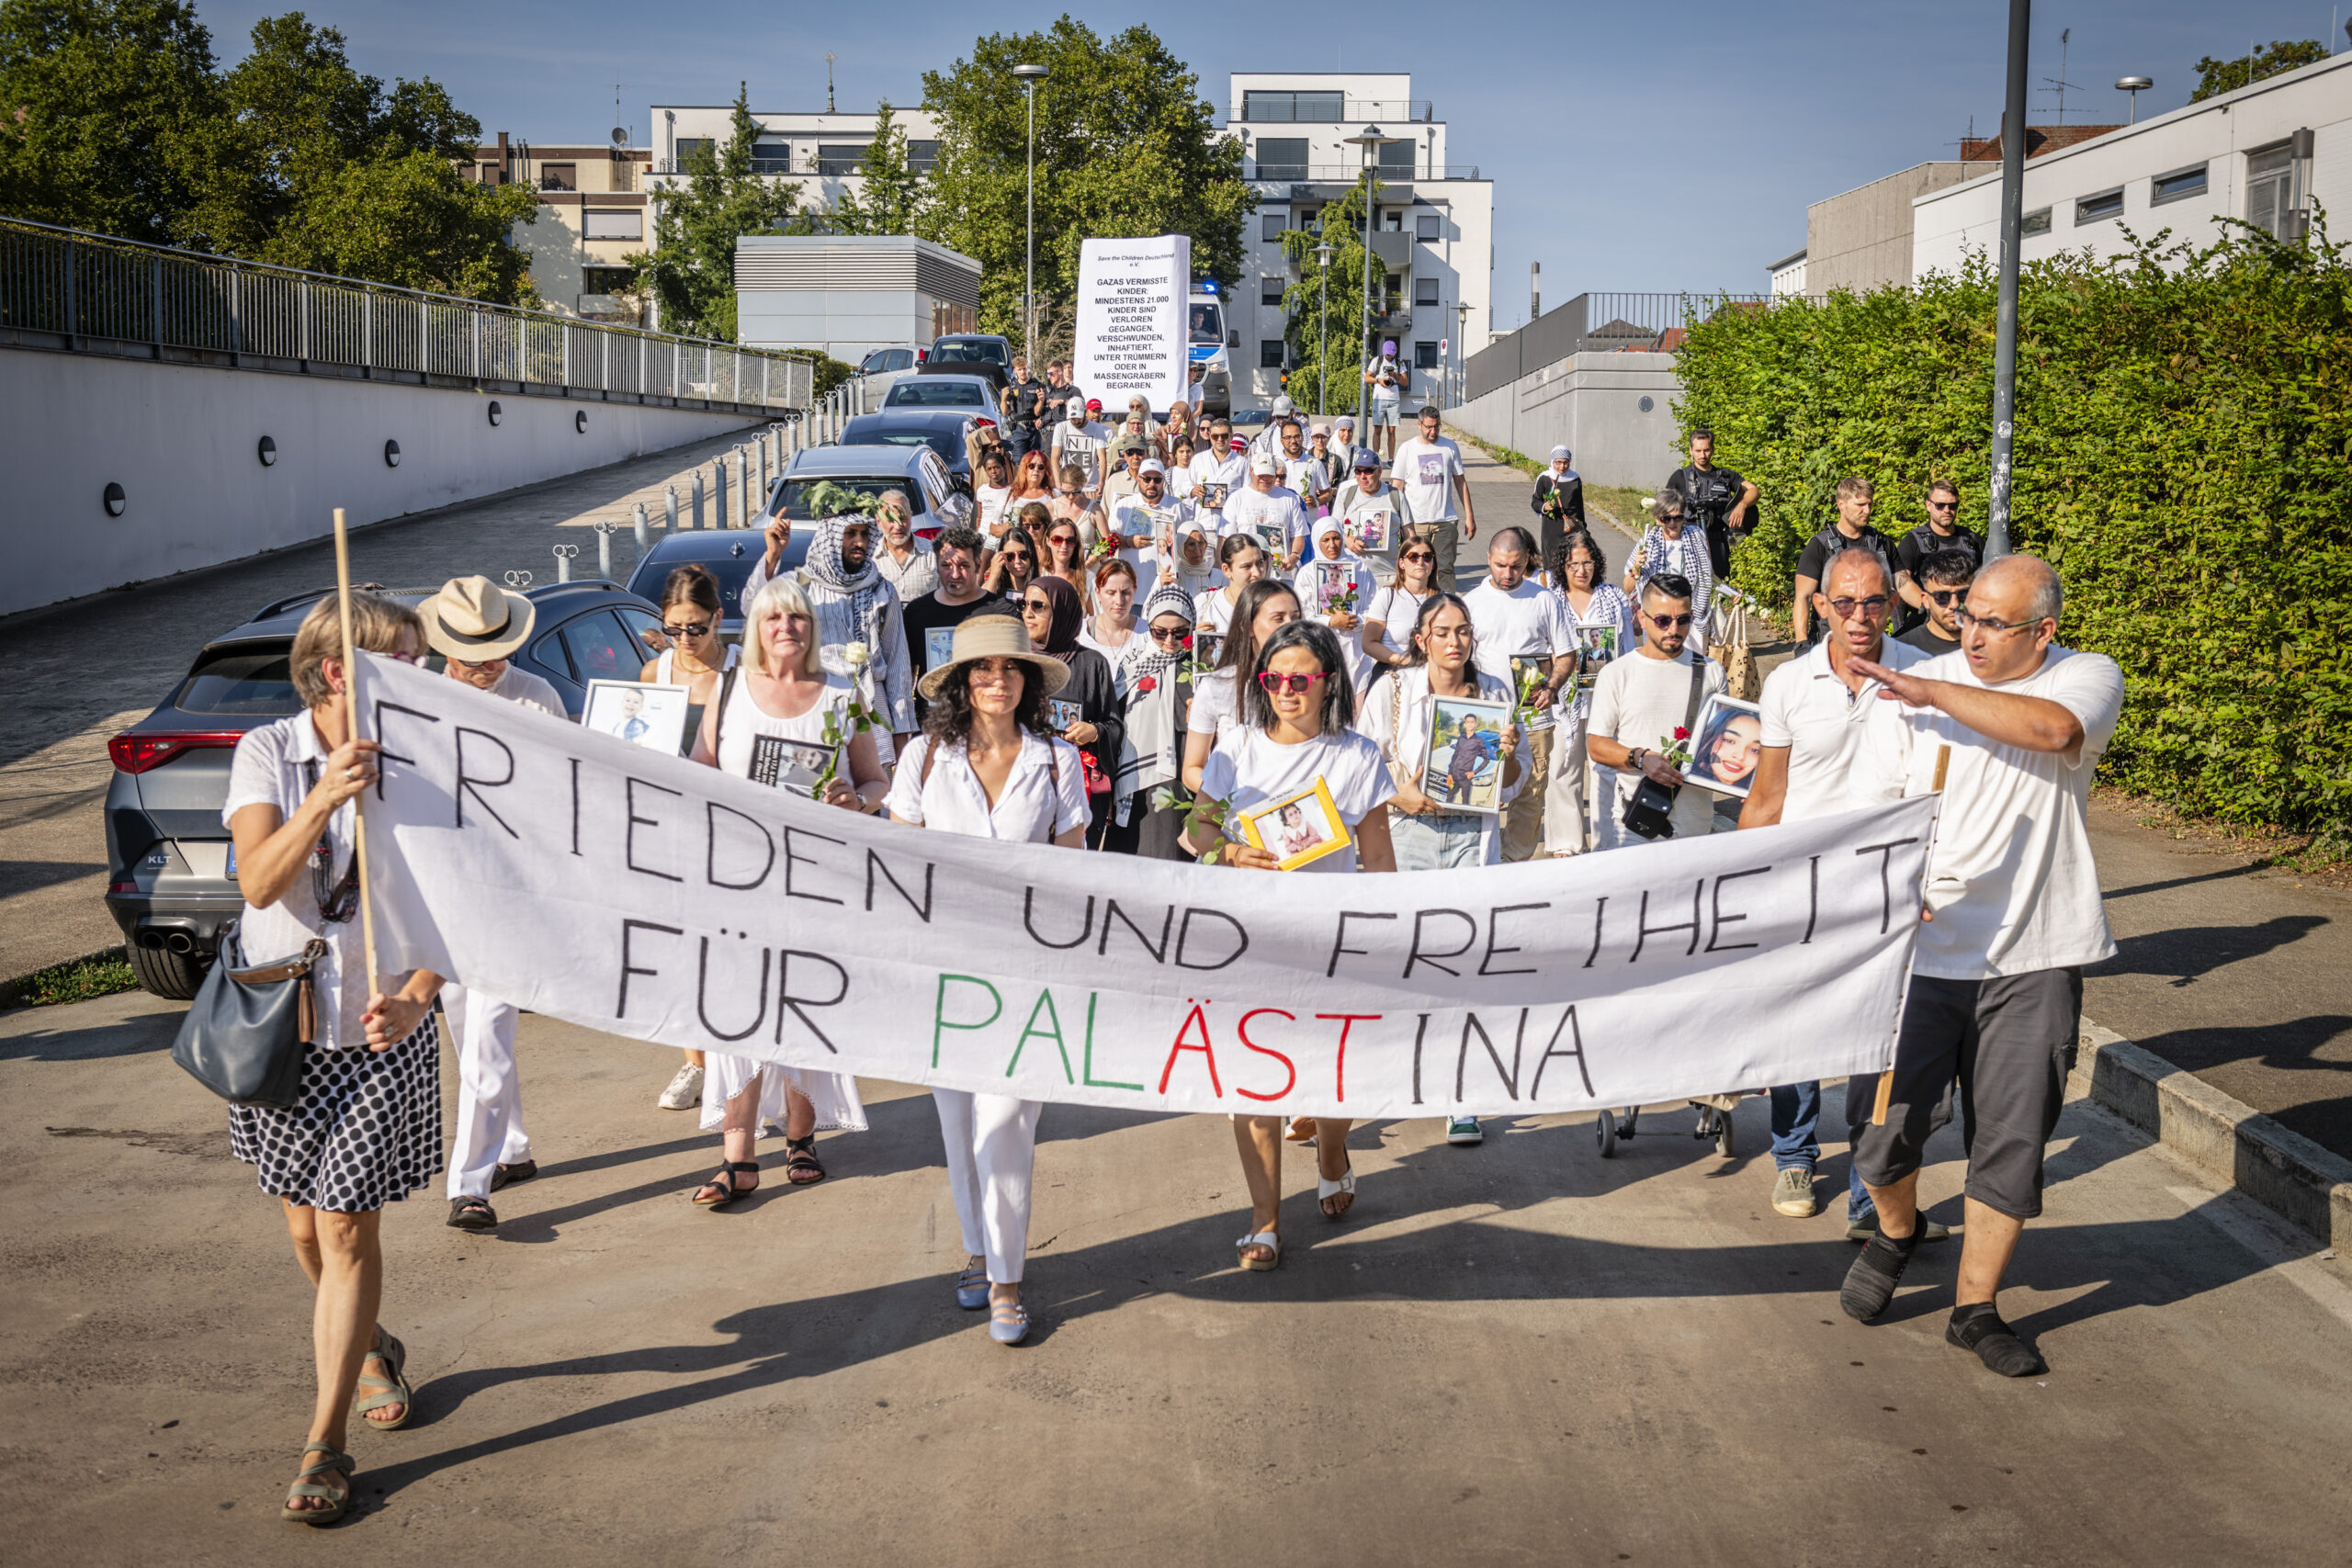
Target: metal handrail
{"points": [[1411, 111], [92, 288], [1268, 173]]}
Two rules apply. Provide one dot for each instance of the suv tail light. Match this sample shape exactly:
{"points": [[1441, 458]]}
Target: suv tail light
{"points": [[139, 751]]}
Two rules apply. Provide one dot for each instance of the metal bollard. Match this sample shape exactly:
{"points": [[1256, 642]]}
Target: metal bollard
{"points": [[670, 508], [764, 480], [605, 532], [638, 520], [718, 492], [564, 555], [697, 498], [742, 486]]}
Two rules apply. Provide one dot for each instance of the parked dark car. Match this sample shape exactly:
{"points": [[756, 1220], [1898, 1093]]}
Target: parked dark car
{"points": [[869, 472], [727, 554], [972, 349], [171, 870], [942, 430], [957, 387]]}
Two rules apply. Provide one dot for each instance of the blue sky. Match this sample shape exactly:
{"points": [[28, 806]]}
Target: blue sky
{"points": [[1632, 146]]}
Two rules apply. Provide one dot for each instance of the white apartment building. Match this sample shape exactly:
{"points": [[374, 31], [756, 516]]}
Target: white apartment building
{"points": [[1433, 227], [819, 153], [592, 215], [2262, 153]]}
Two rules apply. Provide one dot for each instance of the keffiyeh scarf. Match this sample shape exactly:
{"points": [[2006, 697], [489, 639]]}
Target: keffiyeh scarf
{"points": [[862, 590]]}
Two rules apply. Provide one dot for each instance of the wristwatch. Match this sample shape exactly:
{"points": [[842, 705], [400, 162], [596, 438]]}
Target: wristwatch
{"points": [[1634, 758]]}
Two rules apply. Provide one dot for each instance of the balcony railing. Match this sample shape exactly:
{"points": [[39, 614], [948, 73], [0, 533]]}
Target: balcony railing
{"points": [[1282, 107], [1266, 172], [62, 289]]}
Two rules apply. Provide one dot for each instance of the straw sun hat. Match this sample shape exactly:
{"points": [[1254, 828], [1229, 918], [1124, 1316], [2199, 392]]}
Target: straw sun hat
{"points": [[474, 620], [994, 637]]}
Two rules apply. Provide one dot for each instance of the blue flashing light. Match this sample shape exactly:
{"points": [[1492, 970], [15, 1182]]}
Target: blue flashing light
{"points": [[1207, 286]]}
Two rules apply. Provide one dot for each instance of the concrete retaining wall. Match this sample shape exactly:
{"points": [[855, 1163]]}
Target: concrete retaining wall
{"points": [[182, 440], [1593, 404]]}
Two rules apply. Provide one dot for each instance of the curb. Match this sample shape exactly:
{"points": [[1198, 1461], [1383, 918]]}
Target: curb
{"points": [[2284, 1171], [12, 991]]}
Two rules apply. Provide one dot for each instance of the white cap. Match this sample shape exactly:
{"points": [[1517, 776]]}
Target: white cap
{"points": [[1076, 406], [1151, 465], [1283, 405], [1559, 454], [1265, 463]]}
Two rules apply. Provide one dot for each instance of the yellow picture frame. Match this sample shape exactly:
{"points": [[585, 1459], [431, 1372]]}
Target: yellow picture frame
{"points": [[1331, 828]]}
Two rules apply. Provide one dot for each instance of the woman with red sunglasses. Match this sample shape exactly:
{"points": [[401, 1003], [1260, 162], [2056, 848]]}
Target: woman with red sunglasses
{"points": [[1292, 737]]}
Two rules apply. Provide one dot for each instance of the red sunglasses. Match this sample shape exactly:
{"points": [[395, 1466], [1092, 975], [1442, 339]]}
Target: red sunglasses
{"points": [[1296, 685]]}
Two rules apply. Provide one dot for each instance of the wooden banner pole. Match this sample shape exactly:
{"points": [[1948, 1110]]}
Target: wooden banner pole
{"points": [[1886, 1079], [351, 732]]}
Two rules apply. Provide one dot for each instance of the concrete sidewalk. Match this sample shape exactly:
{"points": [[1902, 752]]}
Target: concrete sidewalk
{"points": [[1510, 1353]]}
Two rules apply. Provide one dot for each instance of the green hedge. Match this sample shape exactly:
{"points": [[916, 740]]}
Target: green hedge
{"points": [[2183, 457]]}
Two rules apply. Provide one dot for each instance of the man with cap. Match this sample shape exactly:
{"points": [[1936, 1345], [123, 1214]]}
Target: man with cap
{"points": [[1269, 438], [1386, 376], [1558, 503], [1268, 514], [1127, 453], [1427, 468], [1143, 526], [478, 626], [1080, 444], [1372, 512]]}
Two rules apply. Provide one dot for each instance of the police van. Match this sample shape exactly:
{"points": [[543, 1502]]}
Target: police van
{"points": [[1211, 374]]}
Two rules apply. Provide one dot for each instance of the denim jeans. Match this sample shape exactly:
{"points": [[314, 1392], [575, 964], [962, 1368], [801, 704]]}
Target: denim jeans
{"points": [[1796, 1122], [1439, 840]]}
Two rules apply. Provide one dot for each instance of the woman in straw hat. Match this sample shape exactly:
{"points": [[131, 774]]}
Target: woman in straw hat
{"points": [[987, 764], [478, 626], [781, 719], [364, 1129]]}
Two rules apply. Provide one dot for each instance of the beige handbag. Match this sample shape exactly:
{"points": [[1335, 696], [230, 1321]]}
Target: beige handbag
{"points": [[1728, 646]]}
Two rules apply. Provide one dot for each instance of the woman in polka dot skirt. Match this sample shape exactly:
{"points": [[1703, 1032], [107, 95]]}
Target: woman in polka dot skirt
{"points": [[367, 1129]]}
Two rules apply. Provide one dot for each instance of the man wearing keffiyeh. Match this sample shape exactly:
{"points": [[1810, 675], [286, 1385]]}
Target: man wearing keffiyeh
{"points": [[1152, 678], [860, 632]]}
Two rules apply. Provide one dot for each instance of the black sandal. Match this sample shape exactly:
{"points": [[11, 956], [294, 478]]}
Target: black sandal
{"points": [[723, 1185], [470, 1214], [800, 1157]]}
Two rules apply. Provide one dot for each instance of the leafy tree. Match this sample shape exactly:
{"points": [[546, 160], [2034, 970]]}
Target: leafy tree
{"points": [[1323, 320], [894, 195], [2217, 76], [414, 222], [1125, 148], [690, 273], [108, 99]]}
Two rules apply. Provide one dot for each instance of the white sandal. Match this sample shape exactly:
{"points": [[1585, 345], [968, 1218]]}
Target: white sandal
{"points": [[1263, 1238], [1327, 1190]]}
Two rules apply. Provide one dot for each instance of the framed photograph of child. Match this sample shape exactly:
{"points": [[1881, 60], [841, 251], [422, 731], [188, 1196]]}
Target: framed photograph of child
{"points": [[1207, 646], [1462, 768], [938, 647], [1727, 748], [1272, 539], [1297, 829], [1371, 533], [638, 711]]}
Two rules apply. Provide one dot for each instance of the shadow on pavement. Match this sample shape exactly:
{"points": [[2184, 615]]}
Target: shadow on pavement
{"points": [[2187, 953]]}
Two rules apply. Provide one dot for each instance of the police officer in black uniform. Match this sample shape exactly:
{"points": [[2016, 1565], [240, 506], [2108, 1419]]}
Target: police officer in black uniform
{"points": [[1722, 502]]}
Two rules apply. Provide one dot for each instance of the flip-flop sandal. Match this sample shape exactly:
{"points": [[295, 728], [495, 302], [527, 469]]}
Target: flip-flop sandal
{"points": [[394, 1355], [799, 1159], [336, 1499], [723, 1184]]}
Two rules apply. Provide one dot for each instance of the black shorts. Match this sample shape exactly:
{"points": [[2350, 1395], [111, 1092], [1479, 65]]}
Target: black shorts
{"points": [[2009, 1044]]}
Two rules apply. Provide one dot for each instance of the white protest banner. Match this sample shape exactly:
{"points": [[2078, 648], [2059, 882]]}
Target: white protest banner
{"points": [[579, 876], [1131, 332]]}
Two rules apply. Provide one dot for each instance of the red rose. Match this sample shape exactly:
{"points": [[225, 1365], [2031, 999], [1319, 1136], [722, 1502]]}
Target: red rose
{"points": [[1681, 733], [1147, 683], [1188, 639]]}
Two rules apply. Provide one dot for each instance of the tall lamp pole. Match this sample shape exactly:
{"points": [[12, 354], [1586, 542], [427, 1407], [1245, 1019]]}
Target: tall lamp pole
{"points": [[1370, 138], [2005, 341], [1030, 77], [1461, 354], [1323, 331]]}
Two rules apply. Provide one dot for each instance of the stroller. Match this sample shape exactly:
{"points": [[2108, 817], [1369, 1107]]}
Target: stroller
{"points": [[1714, 1121]]}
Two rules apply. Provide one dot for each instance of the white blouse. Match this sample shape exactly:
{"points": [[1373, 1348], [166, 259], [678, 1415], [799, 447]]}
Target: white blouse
{"points": [[268, 769], [794, 749], [1043, 797]]}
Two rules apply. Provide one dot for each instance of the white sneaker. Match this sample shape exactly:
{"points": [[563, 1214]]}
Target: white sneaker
{"points": [[684, 1092], [1463, 1132]]}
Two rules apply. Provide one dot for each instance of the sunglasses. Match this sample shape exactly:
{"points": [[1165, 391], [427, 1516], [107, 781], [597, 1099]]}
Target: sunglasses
{"points": [[1944, 596], [1874, 605], [1296, 685], [1968, 620], [1667, 623], [697, 628], [1169, 633], [1422, 556], [1943, 506]]}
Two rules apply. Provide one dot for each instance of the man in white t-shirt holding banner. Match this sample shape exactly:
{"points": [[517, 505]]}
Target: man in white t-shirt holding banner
{"points": [[1526, 639], [1427, 468], [2013, 914]]}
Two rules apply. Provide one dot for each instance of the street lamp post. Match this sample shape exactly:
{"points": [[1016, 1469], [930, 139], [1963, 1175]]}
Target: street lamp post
{"points": [[2005, 336], [1370, 138], [1030, 77], [1462, 354], [1323, 331]]}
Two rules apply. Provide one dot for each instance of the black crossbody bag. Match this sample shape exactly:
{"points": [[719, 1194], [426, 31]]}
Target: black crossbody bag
{"points": [[1649, 812]]}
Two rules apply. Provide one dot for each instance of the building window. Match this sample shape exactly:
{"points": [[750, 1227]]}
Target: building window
{"points": [[771, 157], [487, 174], [686, 145], [605, 279], [559, 176], [1306, 216], [1425, 291], [1322, 107], [2034, 222], [620, 223], [1396, 158], [2177, 185], [1271, 226], [1425, 355], [2098, 206], [922, 157], [1428, 226], [1269, 290], [2270, 189], [1391, 221], [837, 158], [1282, 157], [1270, 354]]}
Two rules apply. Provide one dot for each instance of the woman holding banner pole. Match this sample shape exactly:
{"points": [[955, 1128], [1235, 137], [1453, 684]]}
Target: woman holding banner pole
{"points": [[366, 1129], [988, 764], [782, 718], [1292, 736]]}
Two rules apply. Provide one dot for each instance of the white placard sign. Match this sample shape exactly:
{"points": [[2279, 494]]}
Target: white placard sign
{"points": [[1131, 315], [647, 895]]}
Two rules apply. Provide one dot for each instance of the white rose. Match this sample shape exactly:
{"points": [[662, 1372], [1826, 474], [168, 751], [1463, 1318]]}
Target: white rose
{"points": [[856, 654]]}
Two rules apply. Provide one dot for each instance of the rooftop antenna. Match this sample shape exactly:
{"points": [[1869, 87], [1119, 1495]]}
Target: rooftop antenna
{"points": [[620, 132], [828, 82], [2058, 84], [1966, 140]]}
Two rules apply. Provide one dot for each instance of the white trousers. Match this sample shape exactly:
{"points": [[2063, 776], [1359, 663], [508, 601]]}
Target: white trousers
{"points": [[490, 1092], [1566, 819], [992, 1150]]}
